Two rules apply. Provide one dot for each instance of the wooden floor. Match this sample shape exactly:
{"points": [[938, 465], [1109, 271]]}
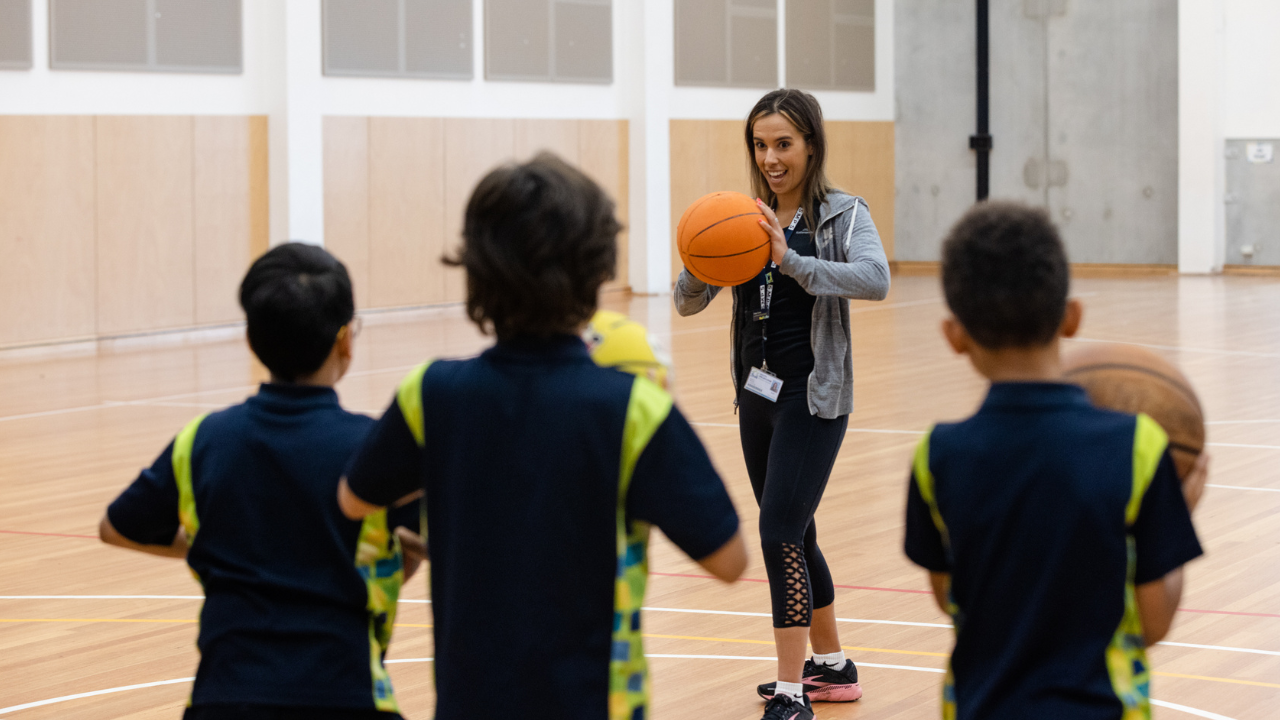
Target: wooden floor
{"points": [[75, 426]]}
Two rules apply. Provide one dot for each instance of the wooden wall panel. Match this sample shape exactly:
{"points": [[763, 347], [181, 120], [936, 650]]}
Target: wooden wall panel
{"points": [[406, 202], [602, 146], [145, 222], [558, 136], [473, 147], [860, 161], [346, 198], [690, 174], [230, 230], [46, 229]]}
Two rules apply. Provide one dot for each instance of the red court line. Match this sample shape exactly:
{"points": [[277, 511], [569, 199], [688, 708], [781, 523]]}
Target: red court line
{"points": [[25, 532], [929, 592], [759, 580]]}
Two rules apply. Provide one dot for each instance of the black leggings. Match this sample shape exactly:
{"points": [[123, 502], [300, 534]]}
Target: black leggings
{"points": [[789, 456]]}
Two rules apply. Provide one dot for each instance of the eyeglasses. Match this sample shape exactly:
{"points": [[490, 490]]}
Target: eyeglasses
{"points": [[352, 328]]}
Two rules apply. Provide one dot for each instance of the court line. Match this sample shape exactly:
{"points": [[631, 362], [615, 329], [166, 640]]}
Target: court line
{"points": [[45, 534], [109, 404], [769, 615], [1241, 422], [852, 311], [1242, 487], [763, 580], [77, 696], [1179, 348]]}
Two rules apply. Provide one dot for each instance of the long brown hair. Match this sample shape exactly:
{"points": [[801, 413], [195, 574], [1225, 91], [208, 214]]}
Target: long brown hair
{"points": [[801, 110]]}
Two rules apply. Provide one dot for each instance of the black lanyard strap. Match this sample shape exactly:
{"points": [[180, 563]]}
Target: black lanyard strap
{"points": [[766, 294]]}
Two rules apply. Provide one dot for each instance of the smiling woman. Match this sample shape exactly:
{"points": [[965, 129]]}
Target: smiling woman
{"points": [[792, 352]]}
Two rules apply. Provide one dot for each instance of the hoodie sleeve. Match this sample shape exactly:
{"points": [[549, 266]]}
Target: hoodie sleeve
{"points": [[864, 275]]}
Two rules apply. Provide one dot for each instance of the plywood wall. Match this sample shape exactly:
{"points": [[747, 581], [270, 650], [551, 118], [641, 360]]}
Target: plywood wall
{"points": [[396, 190], [115, 225], [710, 155]]}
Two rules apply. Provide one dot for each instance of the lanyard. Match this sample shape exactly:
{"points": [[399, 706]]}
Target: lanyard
{"points": [[766, 294]]}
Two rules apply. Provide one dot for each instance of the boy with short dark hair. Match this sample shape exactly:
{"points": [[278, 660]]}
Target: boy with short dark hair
{"points": [[299, 600], [1054, 532], [542, 471]]}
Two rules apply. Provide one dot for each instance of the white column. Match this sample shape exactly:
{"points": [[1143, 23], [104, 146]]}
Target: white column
{"points": [[653, 58], [1201, 148], [295, 125]]}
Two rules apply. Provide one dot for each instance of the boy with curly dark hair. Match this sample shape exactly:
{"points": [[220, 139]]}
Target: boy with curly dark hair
{"points": [[542, 471], [1054, 532]]}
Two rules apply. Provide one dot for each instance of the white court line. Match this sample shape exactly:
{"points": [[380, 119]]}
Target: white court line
{"points": [[1241, 487], [163, 399], [768, 615], [733, 613], [1179, 348], [1188, 710], [1240, 445], [1241, 422], [937, 671], [77, 696]]}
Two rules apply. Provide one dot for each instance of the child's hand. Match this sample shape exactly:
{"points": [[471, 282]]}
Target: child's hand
{"points": [[1193, 485], [414, 548]]}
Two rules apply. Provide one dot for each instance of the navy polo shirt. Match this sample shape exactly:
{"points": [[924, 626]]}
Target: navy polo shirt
{"points": [[519, 453], [1046, 512], [286, 618]]}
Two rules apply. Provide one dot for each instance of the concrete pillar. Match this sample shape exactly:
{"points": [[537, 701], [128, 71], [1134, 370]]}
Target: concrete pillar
{"points": [[295, 124], [653, 58], [1201, 148]]}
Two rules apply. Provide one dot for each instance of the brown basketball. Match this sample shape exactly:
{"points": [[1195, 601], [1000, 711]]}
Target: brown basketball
{"points": [[1133, 379], [720, 239]]}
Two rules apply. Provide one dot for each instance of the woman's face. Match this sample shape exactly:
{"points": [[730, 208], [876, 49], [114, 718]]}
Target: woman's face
{"points": [[781, 153]]}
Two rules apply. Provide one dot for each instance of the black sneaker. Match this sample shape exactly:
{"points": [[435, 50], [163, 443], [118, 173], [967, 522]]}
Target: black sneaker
{"points": [[785, 707], [823, 683]]}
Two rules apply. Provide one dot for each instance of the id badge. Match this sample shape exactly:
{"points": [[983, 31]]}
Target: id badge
{"points": [[765, 384]]}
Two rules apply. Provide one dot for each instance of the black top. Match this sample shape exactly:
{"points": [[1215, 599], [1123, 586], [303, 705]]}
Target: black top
{"points": [[789, 346], [1035, 527], [520, 460], [285, 619]]}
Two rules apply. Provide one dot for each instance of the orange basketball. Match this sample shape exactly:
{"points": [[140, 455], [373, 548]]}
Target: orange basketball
{"points": [[720, 239], [1133, 379]]}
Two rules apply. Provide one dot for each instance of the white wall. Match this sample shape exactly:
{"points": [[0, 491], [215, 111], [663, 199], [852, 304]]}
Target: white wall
{"points": [[1251, 71]]}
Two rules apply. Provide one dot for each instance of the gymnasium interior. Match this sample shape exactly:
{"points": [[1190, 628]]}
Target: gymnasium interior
{"points": [[151, 150]]}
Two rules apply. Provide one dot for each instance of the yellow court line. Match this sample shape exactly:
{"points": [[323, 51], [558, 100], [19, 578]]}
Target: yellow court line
{"points": [[1207, 678], [1216, 679]]}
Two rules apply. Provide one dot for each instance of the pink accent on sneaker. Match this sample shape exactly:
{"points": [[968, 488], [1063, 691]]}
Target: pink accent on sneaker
{"points": [[836, 693]]}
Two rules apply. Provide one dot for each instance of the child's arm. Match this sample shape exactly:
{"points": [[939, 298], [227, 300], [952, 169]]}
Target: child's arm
{"points": [[1157, 602], [109, 535], [941, 584], [729, 561]]}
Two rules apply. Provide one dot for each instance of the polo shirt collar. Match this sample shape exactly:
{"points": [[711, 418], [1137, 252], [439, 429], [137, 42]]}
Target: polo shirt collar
{"points": [[557, 348], [1034, 395], [289, 396]]}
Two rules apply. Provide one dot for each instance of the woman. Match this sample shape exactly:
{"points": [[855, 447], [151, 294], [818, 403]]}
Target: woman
{"points": [[792, 324]]}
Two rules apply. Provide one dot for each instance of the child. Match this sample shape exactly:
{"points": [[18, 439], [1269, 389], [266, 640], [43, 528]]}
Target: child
{"points": [[299, 600], [542, 471], [1054, 532]]}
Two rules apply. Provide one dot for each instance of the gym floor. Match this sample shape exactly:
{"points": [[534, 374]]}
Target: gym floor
{"points": [[89, 631]]}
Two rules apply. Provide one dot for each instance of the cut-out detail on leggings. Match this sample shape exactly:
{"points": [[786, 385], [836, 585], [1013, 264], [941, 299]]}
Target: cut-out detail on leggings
{"points": [[797, 607]]}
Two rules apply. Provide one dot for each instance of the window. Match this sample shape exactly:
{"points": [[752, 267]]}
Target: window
{"points": [[398, 38], [202, 36], [727, 43], [15, 34], [549, 40], [831, 44]]}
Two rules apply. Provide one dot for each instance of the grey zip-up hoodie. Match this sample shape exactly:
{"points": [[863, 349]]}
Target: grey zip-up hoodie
{"points": [[850, 265]]}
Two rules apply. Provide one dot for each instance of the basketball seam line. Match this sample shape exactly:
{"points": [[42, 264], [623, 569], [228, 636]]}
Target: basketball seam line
{"points": [[1182, 390], [718, 257], [723, 220]]}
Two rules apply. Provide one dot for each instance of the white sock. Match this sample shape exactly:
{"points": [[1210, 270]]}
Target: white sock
{"points": [[835, 659], [795, 690]]}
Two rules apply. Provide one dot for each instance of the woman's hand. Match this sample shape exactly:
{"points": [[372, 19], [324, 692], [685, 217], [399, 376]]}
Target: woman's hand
{"points": [[777, 239]]}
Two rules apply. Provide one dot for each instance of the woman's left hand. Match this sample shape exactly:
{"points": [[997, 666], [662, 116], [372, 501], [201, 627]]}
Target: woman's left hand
{"points": [[777, 239]]}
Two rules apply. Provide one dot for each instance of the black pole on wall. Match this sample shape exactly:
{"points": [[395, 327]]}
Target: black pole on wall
{"points": [[980, 142]]}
